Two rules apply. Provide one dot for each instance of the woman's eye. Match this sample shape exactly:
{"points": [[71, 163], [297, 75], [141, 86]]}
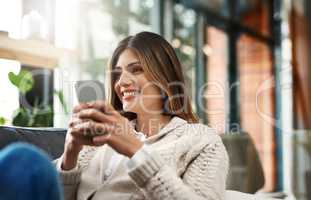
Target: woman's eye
{"points": [[117, 74], [136, 69]]}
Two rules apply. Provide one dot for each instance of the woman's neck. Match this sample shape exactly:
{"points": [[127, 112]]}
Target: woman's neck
{"points": [[151, 124]]}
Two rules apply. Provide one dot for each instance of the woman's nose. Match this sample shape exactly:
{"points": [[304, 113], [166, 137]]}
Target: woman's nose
{"points": [[125, 79]]}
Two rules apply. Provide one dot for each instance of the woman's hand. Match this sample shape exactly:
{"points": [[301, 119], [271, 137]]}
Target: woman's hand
{"points": [[106, 126], [74, 140]]}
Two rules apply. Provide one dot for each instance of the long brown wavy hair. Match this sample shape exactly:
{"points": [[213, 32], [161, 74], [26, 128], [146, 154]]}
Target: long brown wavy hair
{"points": [[162, 67]]}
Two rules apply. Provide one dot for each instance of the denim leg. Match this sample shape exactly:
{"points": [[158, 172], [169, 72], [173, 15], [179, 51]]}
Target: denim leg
{"points": [[26, 173]]}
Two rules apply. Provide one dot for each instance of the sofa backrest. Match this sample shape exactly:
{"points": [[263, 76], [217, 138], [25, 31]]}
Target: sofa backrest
{"points": [[51, 140]]}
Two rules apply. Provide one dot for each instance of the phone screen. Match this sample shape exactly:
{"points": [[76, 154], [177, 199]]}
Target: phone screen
{"points": [[90, 90]]}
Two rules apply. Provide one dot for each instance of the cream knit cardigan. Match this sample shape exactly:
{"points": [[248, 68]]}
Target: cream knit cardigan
{"points": [[188, 161]]}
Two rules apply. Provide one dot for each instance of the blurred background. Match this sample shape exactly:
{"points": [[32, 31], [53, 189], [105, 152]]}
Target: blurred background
{"points": [[246, 63]]}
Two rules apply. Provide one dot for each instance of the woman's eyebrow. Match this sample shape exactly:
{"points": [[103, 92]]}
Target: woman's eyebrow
{"points": [[129, 65], [133, 63]]}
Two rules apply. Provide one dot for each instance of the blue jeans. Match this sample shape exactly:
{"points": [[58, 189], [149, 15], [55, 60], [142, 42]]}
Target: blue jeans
{"points": [[26, 173]]}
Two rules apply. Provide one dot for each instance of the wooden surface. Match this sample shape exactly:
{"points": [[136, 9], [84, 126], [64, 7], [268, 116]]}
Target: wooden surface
{"points": [[31, 53]]}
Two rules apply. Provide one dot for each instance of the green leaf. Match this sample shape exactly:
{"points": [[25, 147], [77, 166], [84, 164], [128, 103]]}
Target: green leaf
{"points": [[14, 79], [43, 117], [2, 120], [23, 81], [61, 98], [21, 117]]}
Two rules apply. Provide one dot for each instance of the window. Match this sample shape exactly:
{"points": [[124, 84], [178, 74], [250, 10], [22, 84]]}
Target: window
{"points": [[238, 44], [92, 29], [9, 98], [257, 99], [9, 102], [183, 42], [103, 25], [217, 87]]}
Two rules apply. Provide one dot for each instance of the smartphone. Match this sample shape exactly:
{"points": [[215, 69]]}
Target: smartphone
{"points": [[90, 90]]}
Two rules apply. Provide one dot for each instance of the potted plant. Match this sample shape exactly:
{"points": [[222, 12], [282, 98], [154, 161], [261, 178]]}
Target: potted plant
{"points": [[39, 115]]}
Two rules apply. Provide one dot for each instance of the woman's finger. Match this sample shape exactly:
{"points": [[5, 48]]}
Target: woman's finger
{"points": [[102, 139], [104, 107], [80, 139], [95, 115], [92, 128], [80, 107], [74, 121]]}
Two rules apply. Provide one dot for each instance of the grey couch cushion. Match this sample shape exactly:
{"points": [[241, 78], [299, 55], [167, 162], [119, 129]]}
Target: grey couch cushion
{"points": [[51, 140], [246, 172]]}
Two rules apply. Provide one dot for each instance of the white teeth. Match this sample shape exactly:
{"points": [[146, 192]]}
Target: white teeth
{"points": [[129, 93]]}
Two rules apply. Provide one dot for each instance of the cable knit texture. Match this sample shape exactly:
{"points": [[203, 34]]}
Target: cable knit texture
{"points": [[186, 161]]}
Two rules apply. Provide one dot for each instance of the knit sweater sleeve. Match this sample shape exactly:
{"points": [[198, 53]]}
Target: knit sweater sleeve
{"points": [[204, 178], [71, 178]]}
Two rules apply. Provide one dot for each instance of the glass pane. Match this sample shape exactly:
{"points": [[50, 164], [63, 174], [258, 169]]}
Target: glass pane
{"points": [[141, 16], [257, 100], [255, 15], [9, 100], [250, 13], [216, 6], [10, 25], [10, 17], [93, 29], [217, 85], [102, 24], [183, 43], [300, 36], [299, 43]]}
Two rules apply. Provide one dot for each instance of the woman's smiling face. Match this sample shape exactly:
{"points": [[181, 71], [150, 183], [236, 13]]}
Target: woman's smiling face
{"points": [[137, 93]]}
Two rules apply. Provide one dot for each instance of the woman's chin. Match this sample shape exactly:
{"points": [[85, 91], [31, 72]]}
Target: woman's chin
{"points": [[128, 108]]}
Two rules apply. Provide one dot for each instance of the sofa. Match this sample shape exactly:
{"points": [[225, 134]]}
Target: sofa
{"points": [[50, 140], [245, 175]]}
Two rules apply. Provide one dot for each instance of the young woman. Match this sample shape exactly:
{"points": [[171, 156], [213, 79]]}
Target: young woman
{"points": [[146, 142]]}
